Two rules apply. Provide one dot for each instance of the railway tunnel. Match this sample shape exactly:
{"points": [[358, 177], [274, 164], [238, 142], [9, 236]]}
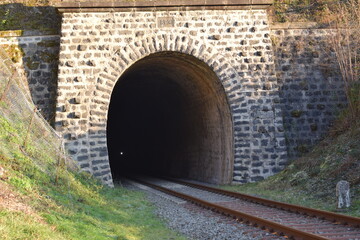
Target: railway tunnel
{"points": [[169, 116]]}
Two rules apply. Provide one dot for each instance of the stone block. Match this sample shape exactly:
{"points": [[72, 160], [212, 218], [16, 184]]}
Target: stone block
{"points": [[343, 194], [81, 47]]}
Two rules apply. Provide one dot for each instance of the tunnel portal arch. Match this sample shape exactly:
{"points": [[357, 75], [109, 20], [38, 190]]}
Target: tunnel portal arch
{"points": [[169, 115], [189, 52], [99, 48]]}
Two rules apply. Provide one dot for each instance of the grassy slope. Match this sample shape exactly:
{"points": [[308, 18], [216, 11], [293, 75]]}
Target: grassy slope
{"points": [[311, 179], [77, 207], [41, 199]]}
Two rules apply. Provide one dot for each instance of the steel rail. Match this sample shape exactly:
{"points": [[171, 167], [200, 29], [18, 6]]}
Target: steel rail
{"points": [[249, 219], [330, 216]]}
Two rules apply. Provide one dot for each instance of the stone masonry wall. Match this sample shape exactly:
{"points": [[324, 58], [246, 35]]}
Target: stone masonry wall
{"points": [[303, 88], [38, 57], [311, 88], [96, 48]]}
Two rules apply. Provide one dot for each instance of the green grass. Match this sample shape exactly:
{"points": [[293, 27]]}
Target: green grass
{"points": [[292, 195], [114, 214], [18, 225], [66, 204], [297, 196], [311, 180], [44, 198]]}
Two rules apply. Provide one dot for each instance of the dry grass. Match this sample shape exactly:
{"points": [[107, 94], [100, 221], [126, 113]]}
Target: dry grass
{"points": [[344, 19], [311, 179]]}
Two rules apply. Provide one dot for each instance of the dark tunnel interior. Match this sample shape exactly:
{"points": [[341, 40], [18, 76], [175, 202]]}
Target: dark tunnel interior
{"points": [[147, 125], [166, 118]]}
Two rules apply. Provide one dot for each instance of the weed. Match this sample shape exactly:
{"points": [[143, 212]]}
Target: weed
{"points": [[300, 10], [345, 41], [310, 180], [64, 204]]}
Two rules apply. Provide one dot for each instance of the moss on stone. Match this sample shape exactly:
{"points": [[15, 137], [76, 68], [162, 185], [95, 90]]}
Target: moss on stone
{"points": [[304, 85], [313, 127], [20, 17], [275, 41], [296, 113], [302, 148], [49, 43], [12, 33], [15, 52], [48, 57], [31, 64]]}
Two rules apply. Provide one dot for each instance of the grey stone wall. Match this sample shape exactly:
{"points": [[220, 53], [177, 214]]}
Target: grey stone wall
{"points": [[38, 57], [311, 88], [96, 48], [283, 85]]}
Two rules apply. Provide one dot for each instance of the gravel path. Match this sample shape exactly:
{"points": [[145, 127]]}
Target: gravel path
{"points": [[194, 222]]}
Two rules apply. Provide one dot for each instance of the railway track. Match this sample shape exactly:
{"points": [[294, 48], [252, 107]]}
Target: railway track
{"points": [[291, 221]]}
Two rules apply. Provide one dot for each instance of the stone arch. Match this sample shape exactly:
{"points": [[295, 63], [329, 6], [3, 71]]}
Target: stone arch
{"points": [[123, 57]]}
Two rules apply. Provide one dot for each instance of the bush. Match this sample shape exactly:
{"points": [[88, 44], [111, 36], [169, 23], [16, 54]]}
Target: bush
{"points": [[345, 40]]}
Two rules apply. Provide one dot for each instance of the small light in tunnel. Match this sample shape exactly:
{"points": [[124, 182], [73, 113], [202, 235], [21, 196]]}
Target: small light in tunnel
{"points": [[121, 153]]}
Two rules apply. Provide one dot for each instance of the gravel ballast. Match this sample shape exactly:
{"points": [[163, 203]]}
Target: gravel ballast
{"points": [[195, 223]]}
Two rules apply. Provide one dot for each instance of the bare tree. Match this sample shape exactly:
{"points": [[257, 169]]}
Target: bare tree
{"points": [[345, 40]]}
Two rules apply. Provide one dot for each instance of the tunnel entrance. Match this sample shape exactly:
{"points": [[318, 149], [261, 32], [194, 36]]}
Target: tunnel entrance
{"points": [[169, 115]]}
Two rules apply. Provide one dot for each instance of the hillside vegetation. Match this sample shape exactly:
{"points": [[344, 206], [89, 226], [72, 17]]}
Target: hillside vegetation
{"points": [[44, 197], [280, 11], [311, 179], [42, 194]]}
